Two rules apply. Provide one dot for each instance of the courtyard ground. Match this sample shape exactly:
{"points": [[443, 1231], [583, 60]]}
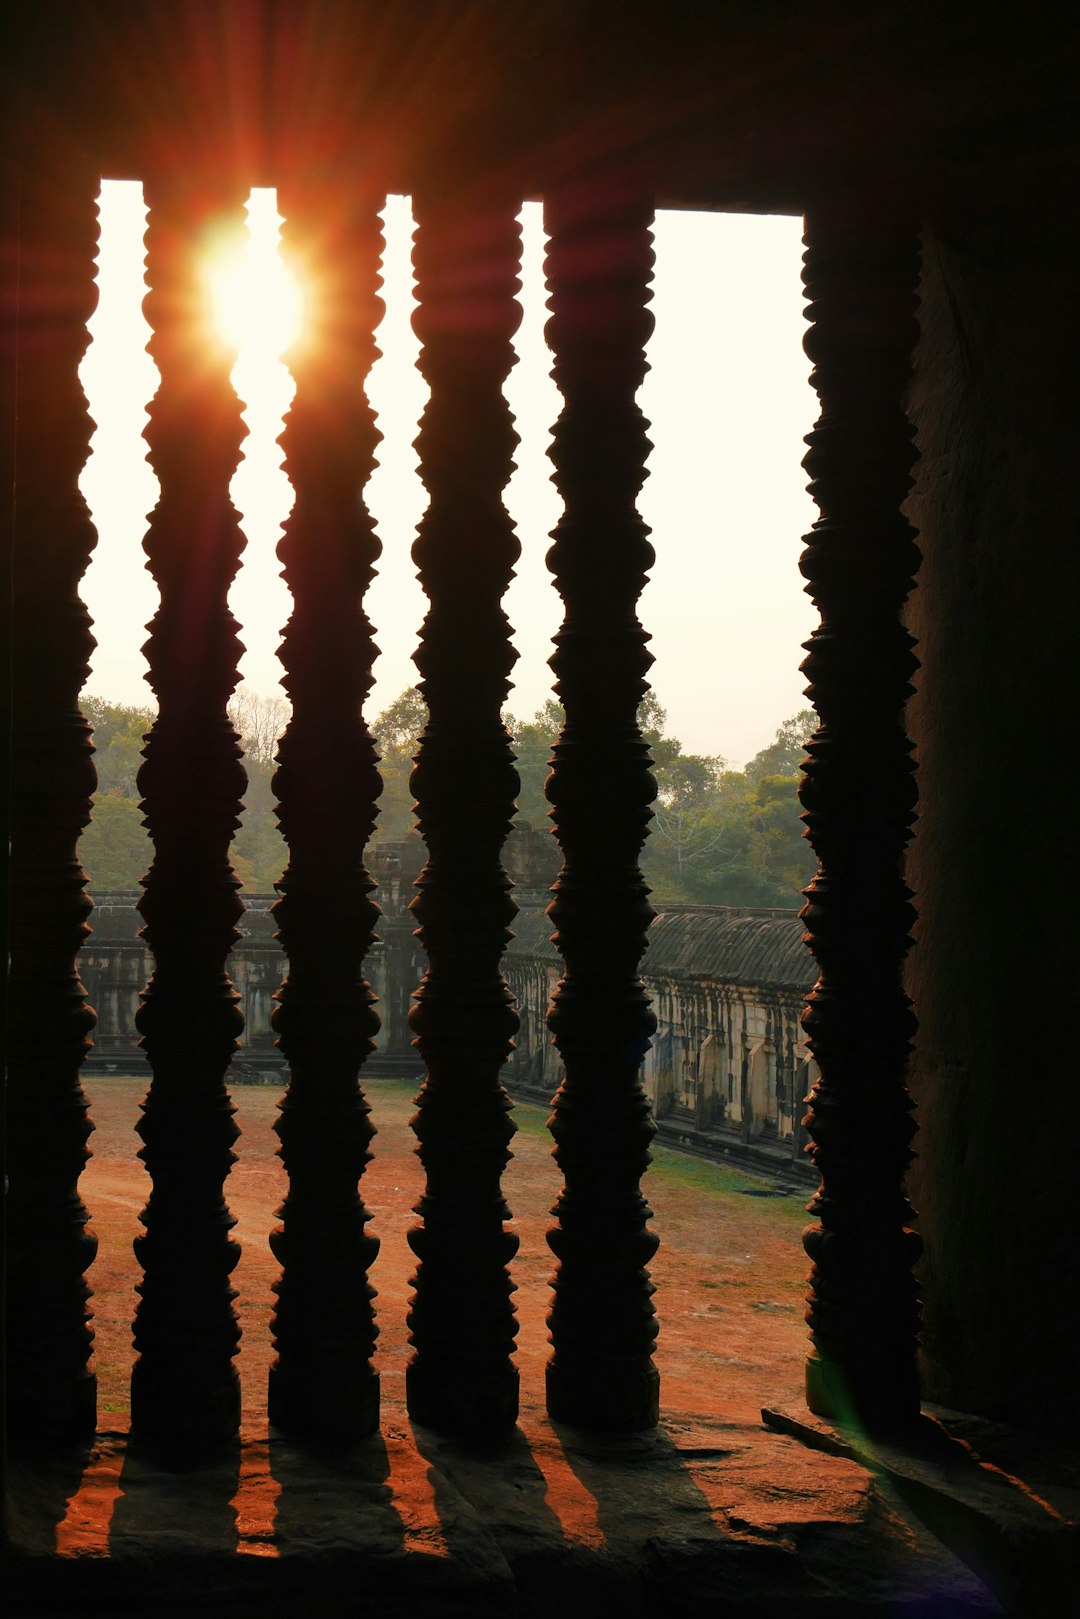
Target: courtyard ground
{"points": [[711, 1508], [730, 1273]]}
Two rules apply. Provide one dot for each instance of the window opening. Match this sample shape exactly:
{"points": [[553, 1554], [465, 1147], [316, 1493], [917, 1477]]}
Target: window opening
{"points": [[719, 636]]}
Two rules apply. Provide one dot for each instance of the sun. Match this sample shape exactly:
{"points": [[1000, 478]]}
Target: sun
{"points": [[257, 303]]}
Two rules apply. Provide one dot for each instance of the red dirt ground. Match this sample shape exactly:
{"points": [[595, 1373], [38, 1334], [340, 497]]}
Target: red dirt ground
{"points": [[730, 1273]]}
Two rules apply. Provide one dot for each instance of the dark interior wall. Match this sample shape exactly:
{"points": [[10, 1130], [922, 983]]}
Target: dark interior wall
{"points": [[994, 969]]}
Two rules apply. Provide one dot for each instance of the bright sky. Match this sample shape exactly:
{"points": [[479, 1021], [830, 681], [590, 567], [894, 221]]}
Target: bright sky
{"points": [[728, 398]]}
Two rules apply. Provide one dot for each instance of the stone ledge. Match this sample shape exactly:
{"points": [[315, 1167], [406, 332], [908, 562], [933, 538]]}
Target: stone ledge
{"points": [[718, 1516], [1007, 1505]]}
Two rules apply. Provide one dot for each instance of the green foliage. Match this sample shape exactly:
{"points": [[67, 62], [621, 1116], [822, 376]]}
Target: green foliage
{"points": [[783, 854], [719, 836], [679, 1169], [665, 751], [115, 849], [728, 837], [533, 741], [119, 734], [711, 1179], [400, 725], [736, 842], [786, 752], [397, 736], [258, 850]]}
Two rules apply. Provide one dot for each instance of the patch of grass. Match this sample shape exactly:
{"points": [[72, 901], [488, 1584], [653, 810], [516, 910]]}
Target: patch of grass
{"points": [[712, 1179], [531, 1120], [395, 1087], [685, 1170]]}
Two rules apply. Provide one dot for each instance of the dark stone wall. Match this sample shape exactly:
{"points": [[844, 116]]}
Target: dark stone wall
{"points": [[993, 973]]}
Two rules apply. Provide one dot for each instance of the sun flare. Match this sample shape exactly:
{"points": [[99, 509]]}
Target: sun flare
{"points": [[257, 302]]}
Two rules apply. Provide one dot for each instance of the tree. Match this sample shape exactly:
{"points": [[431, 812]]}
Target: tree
{"points": [[258, 853], [781, 852], [115, 848], [786, 752], [399, 726], [686, 825], [726, 837], [664, 750], [719, 836], [119, 735], [397, 736], [259, 722], [532, 742]]}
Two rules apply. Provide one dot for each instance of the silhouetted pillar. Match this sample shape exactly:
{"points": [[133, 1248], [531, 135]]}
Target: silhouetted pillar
{"points": [[50, 1392], [184, 1390], [461, 1320], [322, 1385], [859, 794], [602, 1321]]}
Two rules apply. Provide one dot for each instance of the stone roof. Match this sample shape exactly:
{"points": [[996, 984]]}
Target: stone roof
{"points": [[718, 942]]}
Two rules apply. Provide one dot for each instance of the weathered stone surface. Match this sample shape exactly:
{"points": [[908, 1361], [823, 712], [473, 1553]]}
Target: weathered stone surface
{"points": [[709, 1515], [1009, 1511]]}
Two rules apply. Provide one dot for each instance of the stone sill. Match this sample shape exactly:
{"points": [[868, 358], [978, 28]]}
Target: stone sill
{"points": [[708, 1516]]}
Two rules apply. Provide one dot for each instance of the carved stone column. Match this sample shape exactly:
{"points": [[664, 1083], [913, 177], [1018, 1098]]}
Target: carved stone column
{"points": [[50, 1391], [322, 1385], [461, 1320], [602, 1321], [184, 1390], [859, 793]]}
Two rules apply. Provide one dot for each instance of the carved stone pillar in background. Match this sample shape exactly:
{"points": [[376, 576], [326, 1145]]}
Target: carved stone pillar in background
{"points": [[859, 794], [322, 1385], [461, 1319], [603, 1327], [50, 1391], [185, 1395]]}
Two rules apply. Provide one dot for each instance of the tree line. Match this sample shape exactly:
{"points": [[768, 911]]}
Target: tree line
{"points": [[115, 849], [719, 836]]}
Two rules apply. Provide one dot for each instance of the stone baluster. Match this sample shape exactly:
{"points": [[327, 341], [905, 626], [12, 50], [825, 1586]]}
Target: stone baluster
{"points": [[461, 1318], [859, 795], [184, 1390], [602, 1321], [322, 1384], [50, 1390]]}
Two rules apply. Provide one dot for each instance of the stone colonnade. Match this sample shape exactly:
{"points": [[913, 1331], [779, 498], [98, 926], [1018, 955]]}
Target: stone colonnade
{"points": [[727, 1071]]}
